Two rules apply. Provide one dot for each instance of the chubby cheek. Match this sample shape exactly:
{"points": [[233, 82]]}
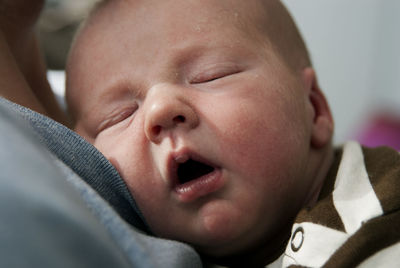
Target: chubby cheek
{"points": [[250, 137], [125, 151], [263, 144]]}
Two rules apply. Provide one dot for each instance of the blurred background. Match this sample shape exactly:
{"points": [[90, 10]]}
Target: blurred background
{"points": [[353, 44], [355, 49]]}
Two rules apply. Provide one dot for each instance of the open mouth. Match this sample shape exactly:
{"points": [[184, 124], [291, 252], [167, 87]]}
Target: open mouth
{"points": [[191, 170]]}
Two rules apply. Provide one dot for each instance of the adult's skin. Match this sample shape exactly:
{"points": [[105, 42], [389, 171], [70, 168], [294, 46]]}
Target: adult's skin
{"points": [[22, 68]]}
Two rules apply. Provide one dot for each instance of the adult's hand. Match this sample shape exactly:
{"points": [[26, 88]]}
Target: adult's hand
{"points": [[18, 15], [22, 68]]}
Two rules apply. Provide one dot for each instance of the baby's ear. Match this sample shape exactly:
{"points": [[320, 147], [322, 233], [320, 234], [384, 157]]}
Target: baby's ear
{"points": [[322, 122]]}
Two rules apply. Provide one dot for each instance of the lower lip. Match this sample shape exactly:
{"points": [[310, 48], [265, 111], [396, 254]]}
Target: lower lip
{"points": [[202, 186]]}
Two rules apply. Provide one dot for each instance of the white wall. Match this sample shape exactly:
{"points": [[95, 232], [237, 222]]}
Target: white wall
{"points": [[355, 49]]}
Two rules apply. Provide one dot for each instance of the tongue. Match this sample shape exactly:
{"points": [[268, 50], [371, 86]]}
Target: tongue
{"points": [[192, 170]]}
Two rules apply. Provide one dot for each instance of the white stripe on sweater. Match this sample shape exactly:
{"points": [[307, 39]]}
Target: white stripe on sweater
{"points": [[354, 198]]}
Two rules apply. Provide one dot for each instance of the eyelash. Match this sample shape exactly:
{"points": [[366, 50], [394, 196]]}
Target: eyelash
{"points": [[212, 76]]}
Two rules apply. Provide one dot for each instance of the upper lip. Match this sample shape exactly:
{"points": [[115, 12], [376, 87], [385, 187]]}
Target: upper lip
{"points": [[180, 157]]}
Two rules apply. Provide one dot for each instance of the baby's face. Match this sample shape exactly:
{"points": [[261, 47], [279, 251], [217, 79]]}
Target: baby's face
{"points": [[203, 120]]}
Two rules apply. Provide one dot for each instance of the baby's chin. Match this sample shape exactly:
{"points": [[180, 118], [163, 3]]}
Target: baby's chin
{"points": [[242, 243], [224, 230]]}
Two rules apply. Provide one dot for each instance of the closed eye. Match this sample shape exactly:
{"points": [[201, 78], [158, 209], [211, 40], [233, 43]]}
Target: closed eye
{"points": [[213, 75], [116, 118]]}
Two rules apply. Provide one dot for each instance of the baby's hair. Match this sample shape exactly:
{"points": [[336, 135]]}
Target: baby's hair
{"points": [[280, 28], [284, 35]]}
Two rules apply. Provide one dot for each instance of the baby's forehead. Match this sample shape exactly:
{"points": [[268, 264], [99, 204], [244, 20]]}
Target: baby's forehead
{"points": [[130, 17], [171, 21], [155, 10]]}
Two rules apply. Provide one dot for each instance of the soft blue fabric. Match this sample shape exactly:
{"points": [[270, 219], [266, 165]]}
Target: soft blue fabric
{"points": [[44, 222], [86, 161], [62, 204]]}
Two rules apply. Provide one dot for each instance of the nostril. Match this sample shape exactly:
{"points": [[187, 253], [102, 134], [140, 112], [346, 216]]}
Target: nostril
{"points": [[156, 130], [179, 119]]}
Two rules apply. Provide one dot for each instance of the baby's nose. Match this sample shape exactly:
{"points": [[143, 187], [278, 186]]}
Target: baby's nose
{"points": [[166, 110]]}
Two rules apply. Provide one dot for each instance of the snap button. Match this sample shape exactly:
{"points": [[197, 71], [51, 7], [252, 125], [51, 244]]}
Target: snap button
{"points": [[297, 239]]}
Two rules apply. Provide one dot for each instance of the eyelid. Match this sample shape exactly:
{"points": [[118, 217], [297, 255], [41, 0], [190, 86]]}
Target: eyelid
{"points": [[116, 117], [214, 73]]}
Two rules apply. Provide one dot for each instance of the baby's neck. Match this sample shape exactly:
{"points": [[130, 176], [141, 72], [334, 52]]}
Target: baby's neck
{"points": [[321, 165]]}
